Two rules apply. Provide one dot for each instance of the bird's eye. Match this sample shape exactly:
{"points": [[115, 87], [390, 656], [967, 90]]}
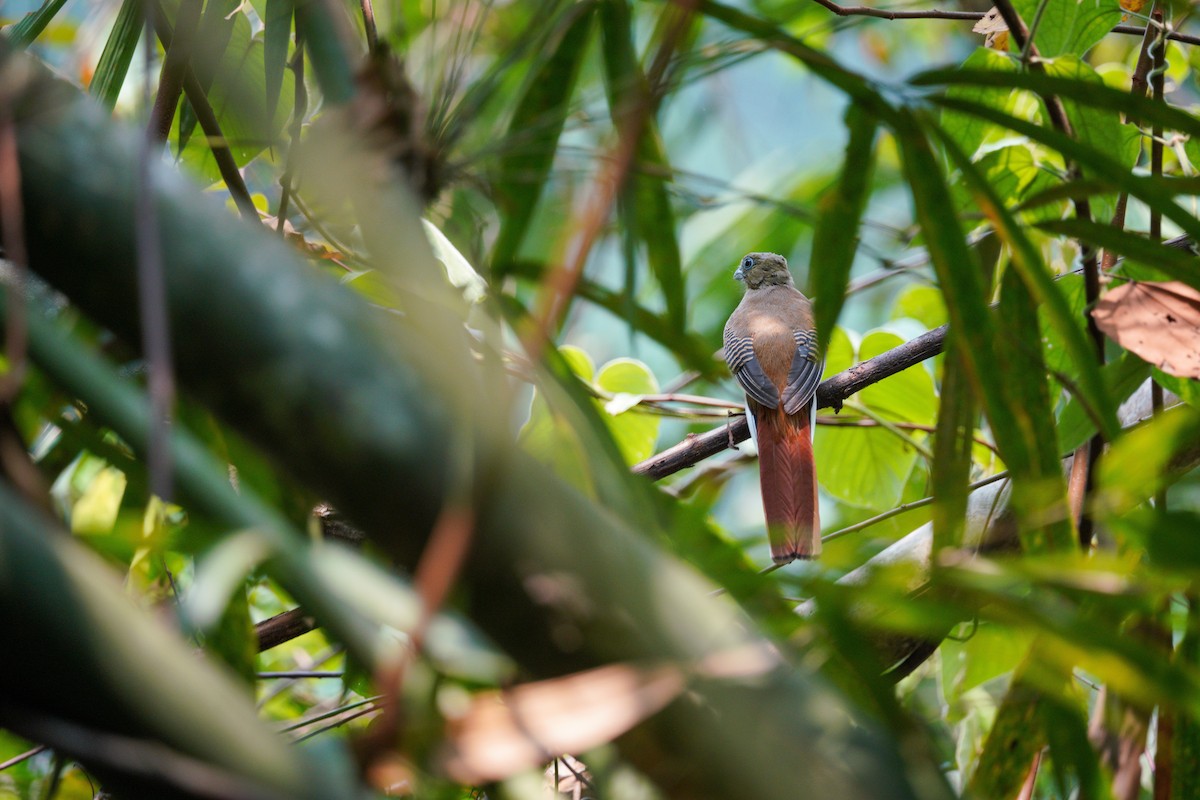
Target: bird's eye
{"points": [[747, 262]]}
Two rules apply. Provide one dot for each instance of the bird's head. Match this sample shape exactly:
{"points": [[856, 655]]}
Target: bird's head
{"points": [[763, 269]]}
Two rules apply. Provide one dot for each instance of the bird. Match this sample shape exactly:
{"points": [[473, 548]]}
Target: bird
{"points": [[772, 350]]}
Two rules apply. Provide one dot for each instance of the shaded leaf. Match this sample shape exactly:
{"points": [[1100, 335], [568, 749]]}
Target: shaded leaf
{"points": [[835, 240], [533, 132], [644, 204], [122, 41], [1158, 321], [33, 23], [277, 32]]}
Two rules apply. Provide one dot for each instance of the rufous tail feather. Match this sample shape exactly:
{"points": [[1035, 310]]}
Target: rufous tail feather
{"points": [[789, 482]]}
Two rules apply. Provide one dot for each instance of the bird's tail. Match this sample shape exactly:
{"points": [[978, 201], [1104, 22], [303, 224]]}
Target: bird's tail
{"points": [[789, 483]]}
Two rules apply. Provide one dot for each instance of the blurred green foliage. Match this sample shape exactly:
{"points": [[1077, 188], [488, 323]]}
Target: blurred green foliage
{"points": [[588, 174]]}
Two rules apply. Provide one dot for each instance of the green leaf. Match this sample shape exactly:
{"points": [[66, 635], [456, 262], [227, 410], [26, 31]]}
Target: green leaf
{"points": [[1027, 261], [1185, 389], [635, 430], [1139, 463], [216, 29], [1067, 27], [907, 396], [238, 96], [1101, 128], [33, 23], [1016, 735], [645, 204], [277, 33], [922, 303], [869, 466], [1085, 92], [953, 445], [835, 240], [96, 509], [988, 651], [1121, 377], [1179, 264], [534, 130], [1101, 164], [969, 131], [118, 52], [1042, 494]]}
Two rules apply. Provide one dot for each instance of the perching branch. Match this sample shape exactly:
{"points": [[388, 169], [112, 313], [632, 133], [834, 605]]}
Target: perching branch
{"points": [[830, 394]]}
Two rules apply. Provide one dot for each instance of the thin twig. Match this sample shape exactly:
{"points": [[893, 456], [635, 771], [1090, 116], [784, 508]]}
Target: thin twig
{"points": [[900, 509], [368, 16], [28, 754]]}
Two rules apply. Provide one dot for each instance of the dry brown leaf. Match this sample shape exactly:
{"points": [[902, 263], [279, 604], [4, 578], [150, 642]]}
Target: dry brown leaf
{"points": [[1160, 322], [505, 732], [993, 26]]}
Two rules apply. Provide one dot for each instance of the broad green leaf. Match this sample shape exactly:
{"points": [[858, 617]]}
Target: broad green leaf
{"points": [[869, 466], [835, 240], [96, 509], [922, 303], [968, 131], [122, 41], [33, 23], [635, 430], [907, 396], [1009, 170], [1186, 390], [534, 130], [550, 438], [1101, 128], [238, 95], [986, 651], [1068, 27]]}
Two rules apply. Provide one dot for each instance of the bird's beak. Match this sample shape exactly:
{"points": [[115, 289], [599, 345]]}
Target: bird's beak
{"points": [[738, 275]]}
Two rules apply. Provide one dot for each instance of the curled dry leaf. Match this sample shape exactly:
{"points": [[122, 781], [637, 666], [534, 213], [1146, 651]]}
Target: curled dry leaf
{"points": [[505, 732], [993, 26], [1160, 322], [509, 731]]}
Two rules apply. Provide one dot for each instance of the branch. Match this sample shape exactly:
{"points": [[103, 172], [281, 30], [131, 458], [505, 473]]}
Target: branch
{"points": [[830, 394], [970, 16]]}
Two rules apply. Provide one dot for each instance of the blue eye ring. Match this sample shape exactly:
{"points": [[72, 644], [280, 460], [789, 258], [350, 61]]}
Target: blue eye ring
{"points": [[747, 262]]}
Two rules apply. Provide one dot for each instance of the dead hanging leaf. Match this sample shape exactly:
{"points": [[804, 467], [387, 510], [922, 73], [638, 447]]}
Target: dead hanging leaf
{"points": [[505, 732], [1133, 6], [993, 26], [1160, 322]]}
